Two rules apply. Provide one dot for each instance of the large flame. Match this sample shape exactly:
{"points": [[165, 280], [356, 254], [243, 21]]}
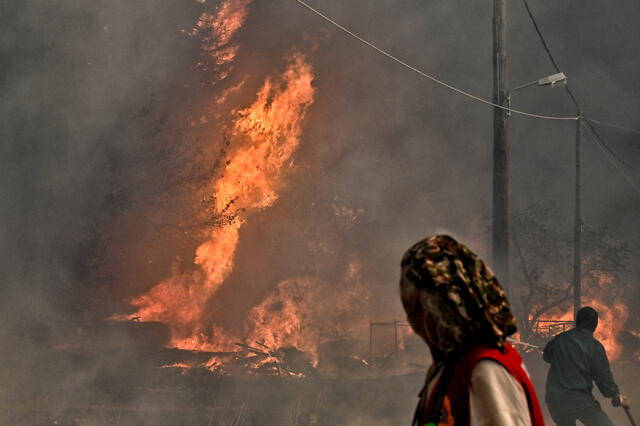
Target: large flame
{"points": [[272, 129], [266, 134], [299, 313]]}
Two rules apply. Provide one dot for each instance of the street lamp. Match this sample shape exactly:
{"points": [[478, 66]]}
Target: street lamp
{"points": [[501, 160], [560, 79], [501, 180], [550, 80]]}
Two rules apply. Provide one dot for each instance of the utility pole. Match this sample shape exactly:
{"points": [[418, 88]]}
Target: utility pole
{"points": [[500, 148], [577, 224]]}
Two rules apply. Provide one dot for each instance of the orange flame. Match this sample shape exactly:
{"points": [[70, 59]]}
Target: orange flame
{"points": [[268, 133], [610, 323], [265, 136], [229, 91], [182, 365], [272, 128], [612, 313], [304, 312], [220, 29]]}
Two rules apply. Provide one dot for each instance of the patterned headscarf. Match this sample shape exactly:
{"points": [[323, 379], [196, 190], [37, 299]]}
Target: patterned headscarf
{"points": [[441, 268]]}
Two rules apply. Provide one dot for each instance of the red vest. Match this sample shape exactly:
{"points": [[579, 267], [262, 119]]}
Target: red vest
{"points": [[451, 406]]}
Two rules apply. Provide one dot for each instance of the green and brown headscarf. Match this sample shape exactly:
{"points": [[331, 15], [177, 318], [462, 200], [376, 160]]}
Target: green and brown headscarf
{"points": [[449, 292]]}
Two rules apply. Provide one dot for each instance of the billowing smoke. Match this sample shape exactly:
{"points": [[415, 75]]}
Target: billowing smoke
{"points": [[123, 123]]}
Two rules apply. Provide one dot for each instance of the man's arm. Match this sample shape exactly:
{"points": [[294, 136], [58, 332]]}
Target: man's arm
{"points": [[602, 373], [547, 354], [604, 379]]}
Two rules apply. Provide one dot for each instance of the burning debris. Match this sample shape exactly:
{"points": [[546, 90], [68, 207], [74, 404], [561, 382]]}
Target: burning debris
{"points": [[285, 334], [257, 359], [285, 361]]}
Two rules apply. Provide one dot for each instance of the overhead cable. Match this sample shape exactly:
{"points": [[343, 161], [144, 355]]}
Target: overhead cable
{"points": [[615, 126], [611, 155], [607, 154], [430, 77], [543, 41], [546, 48], [605, 146]]}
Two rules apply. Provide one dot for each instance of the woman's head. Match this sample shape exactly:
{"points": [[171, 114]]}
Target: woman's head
{"points": [[452, 297]]}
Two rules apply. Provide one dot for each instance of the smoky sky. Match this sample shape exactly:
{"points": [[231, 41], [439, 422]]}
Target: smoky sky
{"points": [[97, 97]]}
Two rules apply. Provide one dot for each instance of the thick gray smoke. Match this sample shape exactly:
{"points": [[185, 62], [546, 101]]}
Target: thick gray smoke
{"points": [[99, 157]]}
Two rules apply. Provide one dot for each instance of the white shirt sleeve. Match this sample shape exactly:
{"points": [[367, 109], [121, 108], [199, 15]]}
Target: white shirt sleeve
{"points": [[496, 398]]}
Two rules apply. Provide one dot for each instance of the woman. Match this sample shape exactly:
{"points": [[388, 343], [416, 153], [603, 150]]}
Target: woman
{"points": [[457, 306]]}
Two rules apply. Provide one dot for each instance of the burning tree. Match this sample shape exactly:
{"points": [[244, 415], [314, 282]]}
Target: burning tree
{"points": [[543, 255]]}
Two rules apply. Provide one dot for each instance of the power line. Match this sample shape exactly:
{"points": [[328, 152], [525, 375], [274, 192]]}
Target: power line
{"points": [[543, 41], [546, 48], [610, 153], [615, 126], [607, 152], [430, 77]]}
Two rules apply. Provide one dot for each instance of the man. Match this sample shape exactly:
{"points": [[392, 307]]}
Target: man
{"points": [[577, 360]]}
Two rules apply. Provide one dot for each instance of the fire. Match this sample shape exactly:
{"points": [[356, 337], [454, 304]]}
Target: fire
{"points": [[214, 365], [219, 30], [179, 300], [272, 130], [182, 365], [304, 312], [281, 317], [611, 321], [612, 312], [229, 91], [299, 313], [266, 134]]}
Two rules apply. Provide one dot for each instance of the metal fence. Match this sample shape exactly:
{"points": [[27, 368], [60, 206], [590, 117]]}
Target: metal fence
{"points": [[547, 329]]}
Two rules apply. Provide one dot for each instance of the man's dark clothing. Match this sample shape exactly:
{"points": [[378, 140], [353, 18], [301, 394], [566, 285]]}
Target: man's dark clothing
{"points": [[577, 360], [593, 416]]}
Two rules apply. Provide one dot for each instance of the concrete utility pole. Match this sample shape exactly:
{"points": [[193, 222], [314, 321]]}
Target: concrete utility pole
{"points": [[577, 224], [500, 148]]}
